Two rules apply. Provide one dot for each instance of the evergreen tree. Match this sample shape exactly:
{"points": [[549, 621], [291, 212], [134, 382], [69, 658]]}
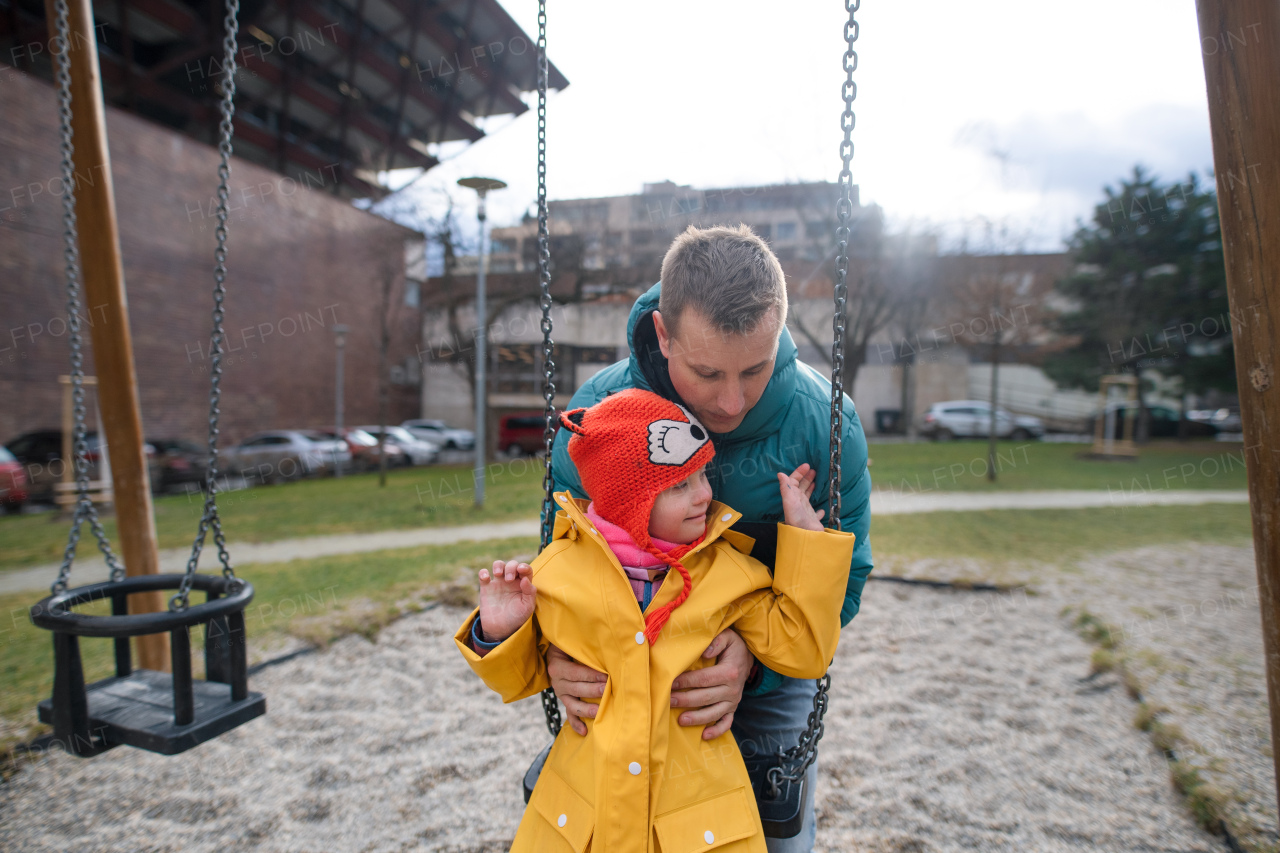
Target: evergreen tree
{"points": [[1148, 290]]}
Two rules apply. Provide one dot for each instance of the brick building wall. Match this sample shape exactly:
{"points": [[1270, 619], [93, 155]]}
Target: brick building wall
{"points": [[300, 260]]}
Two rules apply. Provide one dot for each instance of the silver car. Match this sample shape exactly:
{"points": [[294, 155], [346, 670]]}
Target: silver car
{"points": [[286, 454], [972, 419], [441, 435], [420, 451]]}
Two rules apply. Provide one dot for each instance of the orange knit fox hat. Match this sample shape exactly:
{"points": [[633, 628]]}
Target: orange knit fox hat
{"points": [[629, 447]]}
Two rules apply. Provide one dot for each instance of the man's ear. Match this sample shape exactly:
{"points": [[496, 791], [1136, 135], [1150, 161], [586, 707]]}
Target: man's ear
{"points": [[664, 340]]}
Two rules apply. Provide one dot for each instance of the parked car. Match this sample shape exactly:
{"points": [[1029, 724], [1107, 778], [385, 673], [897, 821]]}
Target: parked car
{"points": [[178, 464], [420, 451], [972, 418], [13, 482], [1162, 423], [1223, 420], [364, 450], [334, 449], [441, 435], [280, 455], [522, 432], [40, 453]]}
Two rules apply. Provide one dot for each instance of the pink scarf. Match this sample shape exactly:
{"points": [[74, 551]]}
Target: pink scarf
{"points": [[639, 564]]}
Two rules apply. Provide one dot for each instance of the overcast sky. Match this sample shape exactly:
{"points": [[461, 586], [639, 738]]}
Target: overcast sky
{"points": [[1068, 97]]}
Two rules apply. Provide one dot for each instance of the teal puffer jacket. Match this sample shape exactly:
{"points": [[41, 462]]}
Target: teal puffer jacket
{"points": [[790, 425]]}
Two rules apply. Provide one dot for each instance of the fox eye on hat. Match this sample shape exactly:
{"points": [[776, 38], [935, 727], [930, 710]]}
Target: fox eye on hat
{"points": [[627, 448], [675, 442]]}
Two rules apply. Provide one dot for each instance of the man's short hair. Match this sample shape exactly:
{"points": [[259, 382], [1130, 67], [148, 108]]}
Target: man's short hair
{"points": [[728, 274]]}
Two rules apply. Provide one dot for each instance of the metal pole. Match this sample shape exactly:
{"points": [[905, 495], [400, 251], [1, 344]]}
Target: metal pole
{"points": [[1240, 46], [481, 361], [104, 289]]}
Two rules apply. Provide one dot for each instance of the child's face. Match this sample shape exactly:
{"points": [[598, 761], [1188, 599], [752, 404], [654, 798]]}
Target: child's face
{"points": [[680, 512]]}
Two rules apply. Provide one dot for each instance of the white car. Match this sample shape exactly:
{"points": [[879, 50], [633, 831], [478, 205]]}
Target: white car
{"points": [[419, 450], [284, 454], [441, 435], [972, 418]]}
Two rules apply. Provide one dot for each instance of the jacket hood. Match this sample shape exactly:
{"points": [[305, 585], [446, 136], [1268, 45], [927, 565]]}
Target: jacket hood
{"points": [[648, 369]]}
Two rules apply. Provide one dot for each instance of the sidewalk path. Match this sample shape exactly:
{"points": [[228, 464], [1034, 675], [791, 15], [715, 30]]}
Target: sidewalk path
{"points": [[92, 569]]}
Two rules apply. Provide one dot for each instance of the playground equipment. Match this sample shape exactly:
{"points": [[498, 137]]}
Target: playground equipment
{"points": [[165, 712]]}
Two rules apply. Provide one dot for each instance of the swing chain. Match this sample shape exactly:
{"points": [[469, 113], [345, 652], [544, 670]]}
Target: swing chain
{"points": [[549, 707], [210, 518], [805, 752], [844, 210], [544, 279], [85, 510]]}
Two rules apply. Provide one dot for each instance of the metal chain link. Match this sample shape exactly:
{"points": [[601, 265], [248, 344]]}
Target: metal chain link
{"points": [[844, 211], [805, 752], [210, 518], [549, 706], [85, 510]]}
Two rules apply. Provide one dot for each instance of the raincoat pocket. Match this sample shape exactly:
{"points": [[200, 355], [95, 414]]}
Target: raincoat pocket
{"points": [[563, 808], [707, 825]]}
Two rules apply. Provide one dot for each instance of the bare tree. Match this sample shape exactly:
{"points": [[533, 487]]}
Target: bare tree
{"points": [[882, 281], [992, 301]]}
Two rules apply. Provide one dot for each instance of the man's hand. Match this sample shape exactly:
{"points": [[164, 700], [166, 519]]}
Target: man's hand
{"points": [[714, 693], [573, 683]]}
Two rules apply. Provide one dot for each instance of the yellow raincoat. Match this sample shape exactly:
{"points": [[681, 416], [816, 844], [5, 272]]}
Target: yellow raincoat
{"points": [[639, 781]]}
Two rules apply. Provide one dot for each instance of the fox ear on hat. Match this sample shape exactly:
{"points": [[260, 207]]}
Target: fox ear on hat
{"points": [[572, 420]]}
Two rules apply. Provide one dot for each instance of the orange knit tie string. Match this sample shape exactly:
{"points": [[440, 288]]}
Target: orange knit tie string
{"points": [[654, 621]]}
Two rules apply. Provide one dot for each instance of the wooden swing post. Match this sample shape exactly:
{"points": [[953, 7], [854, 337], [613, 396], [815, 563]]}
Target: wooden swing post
{"points": [[1240, 46], [103, 279]]}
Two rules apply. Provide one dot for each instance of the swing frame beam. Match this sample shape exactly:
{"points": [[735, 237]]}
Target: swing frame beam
{"points": [[1243, 84], [103, 283]]}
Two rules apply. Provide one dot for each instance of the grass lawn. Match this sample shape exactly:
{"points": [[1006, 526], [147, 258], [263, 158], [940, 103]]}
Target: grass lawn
{"points": [[962, 466], [415, 497], [441, 496], [1052, 536], [358, 593]]}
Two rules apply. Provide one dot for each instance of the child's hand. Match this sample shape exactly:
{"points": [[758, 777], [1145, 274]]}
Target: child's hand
{"points": [[506, 599], [795, 498]]}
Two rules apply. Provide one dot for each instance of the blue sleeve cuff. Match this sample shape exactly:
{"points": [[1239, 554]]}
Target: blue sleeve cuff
{"points": [[477, 638], [769, 681]]}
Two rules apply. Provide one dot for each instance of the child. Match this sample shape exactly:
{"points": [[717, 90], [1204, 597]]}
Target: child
{"points": [[607, 595]]}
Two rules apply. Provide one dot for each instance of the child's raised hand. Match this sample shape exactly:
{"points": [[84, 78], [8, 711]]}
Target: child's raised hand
{"points": [[506, 599], [796, 490]]}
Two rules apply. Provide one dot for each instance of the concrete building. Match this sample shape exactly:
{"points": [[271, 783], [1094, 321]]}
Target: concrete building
{"points": [[605, 251], [328, 93]]}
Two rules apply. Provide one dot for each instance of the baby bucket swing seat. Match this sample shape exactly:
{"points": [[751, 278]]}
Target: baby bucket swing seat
{"points": [[157, 711], [782, 793]]}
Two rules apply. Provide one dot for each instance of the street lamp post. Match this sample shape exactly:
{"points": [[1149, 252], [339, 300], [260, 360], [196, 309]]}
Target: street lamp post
{"points": [[481, 186], [340, 339]]}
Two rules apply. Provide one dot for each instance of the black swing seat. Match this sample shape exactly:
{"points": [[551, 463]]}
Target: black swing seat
{"points": [[781, 816], [157, 711]]}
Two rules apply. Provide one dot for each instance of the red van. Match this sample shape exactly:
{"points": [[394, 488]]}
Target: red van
{"points": [[521, 432]]}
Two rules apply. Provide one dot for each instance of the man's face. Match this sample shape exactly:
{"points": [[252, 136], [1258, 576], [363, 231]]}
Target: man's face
{"points": [[719, 374]]}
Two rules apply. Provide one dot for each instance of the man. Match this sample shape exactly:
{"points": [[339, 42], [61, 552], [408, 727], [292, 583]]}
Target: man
{"points": [[711, 336]]}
